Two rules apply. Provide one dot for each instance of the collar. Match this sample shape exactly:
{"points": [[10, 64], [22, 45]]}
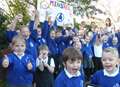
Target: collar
{"points": [[19, 56], [116, 72], [70, 75]]}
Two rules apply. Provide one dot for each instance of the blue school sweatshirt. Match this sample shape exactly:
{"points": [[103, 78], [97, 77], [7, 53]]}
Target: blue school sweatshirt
{"points": [[101, 80], [31, 47], [60, 44], [46, 30], [18, 74], [52, 45], [10, 35], [64, 81]]}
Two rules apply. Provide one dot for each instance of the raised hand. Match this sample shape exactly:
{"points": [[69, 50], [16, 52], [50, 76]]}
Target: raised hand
{"points": [[5, 62], [45, 64], [29, 65]]}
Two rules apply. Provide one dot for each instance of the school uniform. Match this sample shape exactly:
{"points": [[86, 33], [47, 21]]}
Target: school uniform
{"points": [[40, 40], [75, 30], [87, 54], [65, 79], [97, 55], [30, 44], [88, 65], [103, 79], [52, 45], [9, 35], [44, 78], [46, 29], [31, 25], [106, 45], [118, 36], [31, 47], [64, 32], [92, 41], [60, 44], [18, 74], [53, 48], [67, 41]]}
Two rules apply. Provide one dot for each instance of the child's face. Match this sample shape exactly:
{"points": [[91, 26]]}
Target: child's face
{"points": [[115, 41], [52, 34], [109, 62], [87, 39], [77, 45], [25, 32], [58, 34], [107, 21], [80, 33], [76, 39], [72, 66], [90, 34], [19, 47], [39, 31], [43, 54]]}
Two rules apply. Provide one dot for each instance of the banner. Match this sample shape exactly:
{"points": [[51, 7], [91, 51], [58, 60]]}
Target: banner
{"points": [[58, 11]]}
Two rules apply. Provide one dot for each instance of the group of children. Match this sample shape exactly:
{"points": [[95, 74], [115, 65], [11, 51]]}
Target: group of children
{"points": [[49, 57]]}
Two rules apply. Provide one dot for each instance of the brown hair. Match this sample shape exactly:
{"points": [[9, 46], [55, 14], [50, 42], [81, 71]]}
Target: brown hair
{"points": [[109, 20], [71, 54]]}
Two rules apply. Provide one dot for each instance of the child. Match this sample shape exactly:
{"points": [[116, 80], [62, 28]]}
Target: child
{"points": [[31, 46], [20, 65], [110, 75], [53, 49], [87, 51], [105, 40], [45, 68], [97, 51], [71, 75]]}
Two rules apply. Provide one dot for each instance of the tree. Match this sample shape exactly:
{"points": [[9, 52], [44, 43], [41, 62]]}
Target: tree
{"points": [[3, 24], [18, 7], [84, 7]]}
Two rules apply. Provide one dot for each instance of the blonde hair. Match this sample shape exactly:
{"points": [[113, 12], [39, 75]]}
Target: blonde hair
{"points": [[22, 27], [43, 47], [112, 50], [18, 38]]}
